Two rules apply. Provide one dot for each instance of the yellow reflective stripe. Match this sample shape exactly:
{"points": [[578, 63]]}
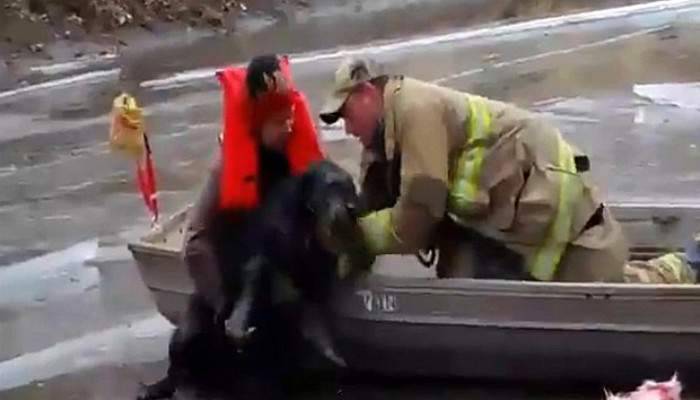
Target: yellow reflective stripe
{"points": [[379, 231], [544, 264], [468, 170]]}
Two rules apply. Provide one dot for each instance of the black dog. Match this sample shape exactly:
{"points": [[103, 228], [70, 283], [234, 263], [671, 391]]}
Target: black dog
{"points": [[296, 235]]}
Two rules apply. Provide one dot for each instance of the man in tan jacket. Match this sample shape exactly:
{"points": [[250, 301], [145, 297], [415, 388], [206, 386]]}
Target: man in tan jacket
{"points": [[460, 166]]}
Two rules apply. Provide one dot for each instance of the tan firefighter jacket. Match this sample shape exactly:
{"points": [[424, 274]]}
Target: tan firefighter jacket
{"points": [[490, 166]]}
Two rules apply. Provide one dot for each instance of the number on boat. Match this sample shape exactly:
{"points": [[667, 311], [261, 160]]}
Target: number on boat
{"points": [[381, 302]]}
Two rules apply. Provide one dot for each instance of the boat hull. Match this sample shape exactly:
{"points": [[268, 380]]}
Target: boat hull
{"points": [[401, 321]]}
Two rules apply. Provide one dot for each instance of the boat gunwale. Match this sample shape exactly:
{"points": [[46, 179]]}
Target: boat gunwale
{"points": [[475, 323], [477, 287], [148, 245], [471, 287]]}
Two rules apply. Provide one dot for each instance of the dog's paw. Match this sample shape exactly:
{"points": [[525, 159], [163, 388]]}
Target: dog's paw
{"points": [[335, 358], [159, 390], [236, 332]]}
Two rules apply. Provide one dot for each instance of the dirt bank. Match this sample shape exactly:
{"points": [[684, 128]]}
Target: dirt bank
{"points": [[27, 26], [107, 15]]}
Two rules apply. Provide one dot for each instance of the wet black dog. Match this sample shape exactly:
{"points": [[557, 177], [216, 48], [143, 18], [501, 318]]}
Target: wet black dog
{"points": [[297, 237], [294, 237]]}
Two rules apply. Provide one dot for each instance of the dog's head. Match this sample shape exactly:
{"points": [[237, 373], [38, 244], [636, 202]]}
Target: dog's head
{"points": [[330, 196]]}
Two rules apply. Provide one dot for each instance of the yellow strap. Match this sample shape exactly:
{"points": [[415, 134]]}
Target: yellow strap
{"points": [[546, 259], [468, 170]]}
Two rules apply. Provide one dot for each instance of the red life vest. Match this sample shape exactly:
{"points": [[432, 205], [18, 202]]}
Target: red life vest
{"points": [[242, 117]]}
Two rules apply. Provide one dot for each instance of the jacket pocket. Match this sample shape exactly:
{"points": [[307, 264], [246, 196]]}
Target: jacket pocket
{"points": [[538, 204]]}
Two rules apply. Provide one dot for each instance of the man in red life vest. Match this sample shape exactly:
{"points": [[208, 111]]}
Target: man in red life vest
{"points": [[268, 135]]}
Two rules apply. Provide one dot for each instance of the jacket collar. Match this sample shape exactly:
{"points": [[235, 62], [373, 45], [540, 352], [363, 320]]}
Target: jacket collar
{"points": [[391, 89]]}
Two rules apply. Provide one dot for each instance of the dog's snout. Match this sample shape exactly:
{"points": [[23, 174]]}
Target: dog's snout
{"points": [[340, 212], [343, 214], [352, 210]]}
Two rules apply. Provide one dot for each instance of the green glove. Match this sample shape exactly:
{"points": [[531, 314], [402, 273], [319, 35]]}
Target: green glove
{"points": [[378, 231]]}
